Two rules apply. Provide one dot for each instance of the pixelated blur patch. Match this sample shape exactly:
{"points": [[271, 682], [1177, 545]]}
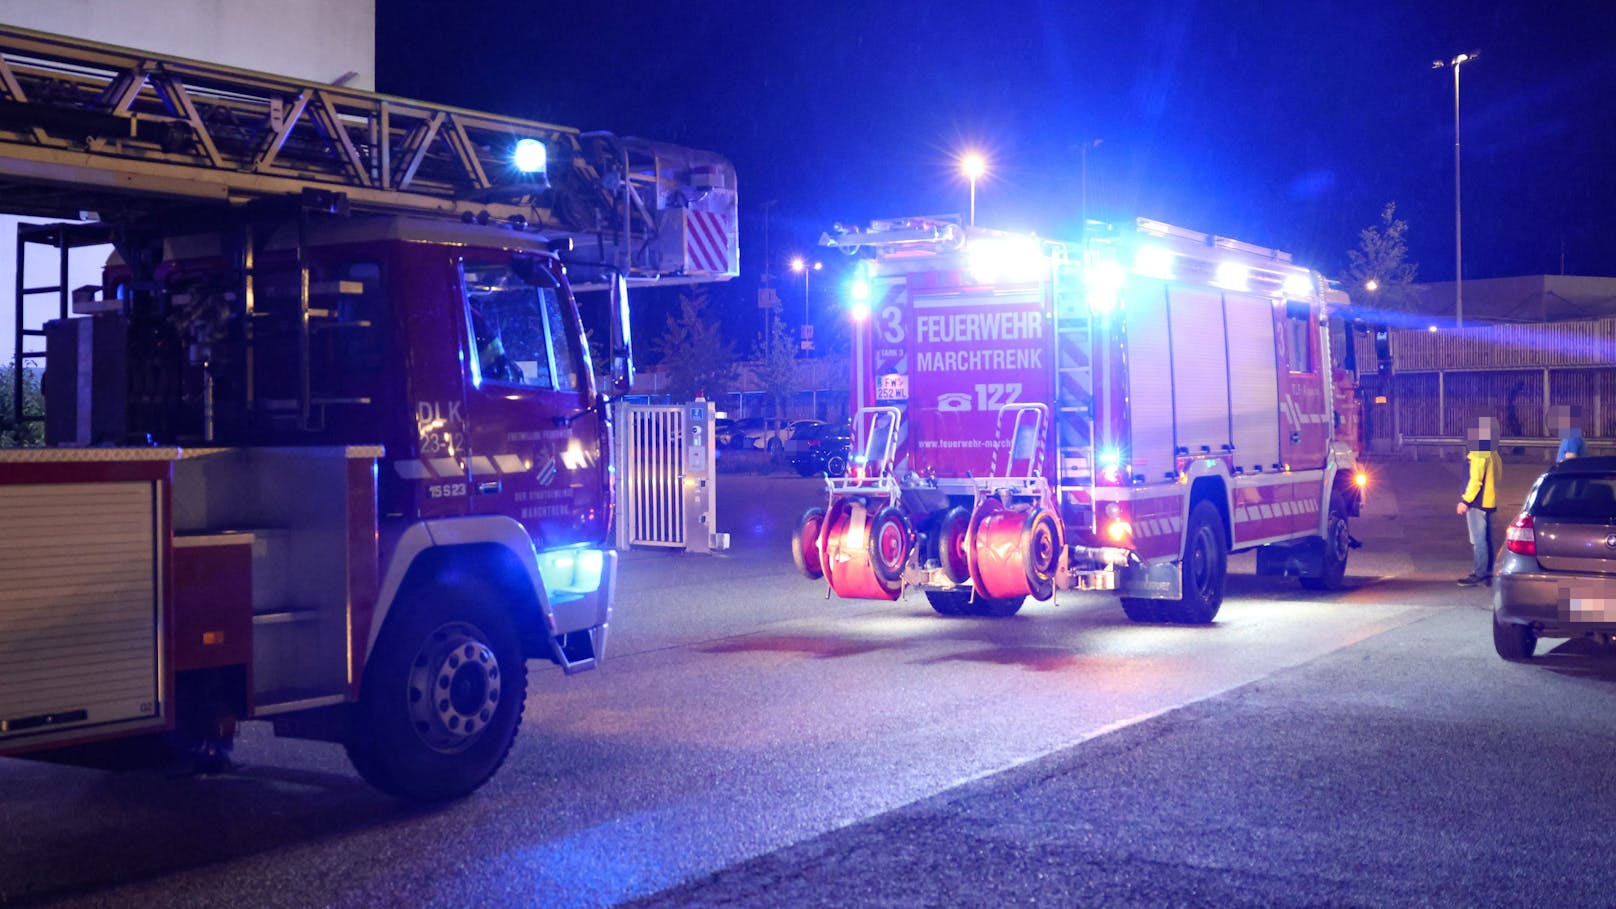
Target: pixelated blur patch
{"points": [[1587, 603]]}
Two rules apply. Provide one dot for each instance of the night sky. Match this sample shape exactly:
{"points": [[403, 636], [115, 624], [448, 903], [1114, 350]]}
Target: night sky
{"points": [[1287, 125]]}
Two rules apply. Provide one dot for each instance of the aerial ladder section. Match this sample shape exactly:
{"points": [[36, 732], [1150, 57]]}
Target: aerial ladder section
{"points": [[127, 138], [89, 129]]}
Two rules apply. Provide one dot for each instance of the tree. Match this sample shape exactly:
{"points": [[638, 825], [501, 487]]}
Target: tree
{"points": [[697, 359], [33, 405], [1378, 277], [776, 358]]}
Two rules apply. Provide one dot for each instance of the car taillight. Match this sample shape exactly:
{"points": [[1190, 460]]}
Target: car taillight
{"points": [[1521, 538]]}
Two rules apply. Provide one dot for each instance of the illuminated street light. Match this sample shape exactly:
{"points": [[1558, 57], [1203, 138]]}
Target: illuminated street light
{"points": [[973, 166], [799, 264], [1371, 285], [1083, 151], [1458, 246]]}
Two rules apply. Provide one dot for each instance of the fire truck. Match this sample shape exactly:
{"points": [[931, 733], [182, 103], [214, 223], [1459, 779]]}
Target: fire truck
{"points": [[1115, 415], [324, 446]]}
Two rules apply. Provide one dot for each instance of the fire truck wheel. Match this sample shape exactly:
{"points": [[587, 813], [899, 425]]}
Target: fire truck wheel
{"points": [[949, 602], [889, 545], [951, 531], [1142, 610], [1336, 545], [442, 697], [997, 608], [1041, 541], [805, 543], [1206, 559]]}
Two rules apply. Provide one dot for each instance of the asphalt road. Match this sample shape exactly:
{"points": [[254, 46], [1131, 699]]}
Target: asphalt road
{"points": [[749, 742]]}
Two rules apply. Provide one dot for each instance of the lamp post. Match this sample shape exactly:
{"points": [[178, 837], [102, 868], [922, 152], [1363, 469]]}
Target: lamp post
{"points": [[973, 166], [1083, 151], [799, 264], [1458, 245]]}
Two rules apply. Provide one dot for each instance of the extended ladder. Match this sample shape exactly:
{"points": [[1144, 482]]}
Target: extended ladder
{"points": [[88, 127]]}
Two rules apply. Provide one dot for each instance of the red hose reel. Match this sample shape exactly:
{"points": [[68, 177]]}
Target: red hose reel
{"points": [[862, 555], [1012, 551]]}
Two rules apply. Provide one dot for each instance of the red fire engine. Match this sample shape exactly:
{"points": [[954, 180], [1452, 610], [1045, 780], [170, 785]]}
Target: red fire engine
{"points": [[1120, 415], [325, 447]]}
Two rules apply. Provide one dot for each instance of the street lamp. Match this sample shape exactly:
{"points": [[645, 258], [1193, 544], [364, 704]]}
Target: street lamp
{"points": [[799, 264], [1084, 151], [973, 166], [1458, 246]]}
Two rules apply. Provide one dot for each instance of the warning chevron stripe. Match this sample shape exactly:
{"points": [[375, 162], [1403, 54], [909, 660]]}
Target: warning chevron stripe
{"points": [[708, 247]]}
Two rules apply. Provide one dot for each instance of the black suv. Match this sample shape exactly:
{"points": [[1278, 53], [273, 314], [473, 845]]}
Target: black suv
{"points": [[821, 448]]}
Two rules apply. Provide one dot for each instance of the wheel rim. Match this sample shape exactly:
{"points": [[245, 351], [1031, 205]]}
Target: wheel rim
{"points": [[453, 687], [1201, 573], [889, 545], [1340, 540]]}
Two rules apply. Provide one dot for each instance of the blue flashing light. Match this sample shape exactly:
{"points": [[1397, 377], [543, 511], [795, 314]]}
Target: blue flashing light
{"points": [[1154, 262], [1298, 285], [860, 312], [1104, 279], [859, 290], [1233, 276], [530, 156], [1110, 457], [1011, 259]]}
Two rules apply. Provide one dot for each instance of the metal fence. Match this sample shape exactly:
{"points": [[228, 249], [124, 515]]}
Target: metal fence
{"points": [[1440, 383], [666, 477]]}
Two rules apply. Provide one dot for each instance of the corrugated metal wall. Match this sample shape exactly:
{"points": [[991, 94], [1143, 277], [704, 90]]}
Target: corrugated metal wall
{"points": [[1442, 382]]}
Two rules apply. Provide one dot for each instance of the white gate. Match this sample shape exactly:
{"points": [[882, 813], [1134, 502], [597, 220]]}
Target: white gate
{"points": [[666, 477]]}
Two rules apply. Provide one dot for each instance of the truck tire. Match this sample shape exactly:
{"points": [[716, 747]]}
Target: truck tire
{"points": [[1141, 610], [1337, 545], [1206, 561], [805, 547], [890, 542], [996, 607], [1513, 641], [949, 602], [442, 697], [952, 528], [959, 602]]}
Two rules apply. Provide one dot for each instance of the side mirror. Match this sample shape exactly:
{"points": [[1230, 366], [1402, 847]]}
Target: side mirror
{"points": [[622, 341]]}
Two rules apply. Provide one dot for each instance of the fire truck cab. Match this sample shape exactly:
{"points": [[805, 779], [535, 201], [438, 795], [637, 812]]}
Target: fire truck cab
{"points": [[1119, 414], [325, 447]]}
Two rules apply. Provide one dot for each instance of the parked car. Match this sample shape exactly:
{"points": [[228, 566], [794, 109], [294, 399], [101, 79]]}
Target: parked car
{"points": [[723, 432], [822, 448], [1557, 572], [784, 441], [755, 432]]}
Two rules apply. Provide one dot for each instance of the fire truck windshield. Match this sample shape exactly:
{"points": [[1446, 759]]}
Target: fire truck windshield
{"points": [[520, 330]]}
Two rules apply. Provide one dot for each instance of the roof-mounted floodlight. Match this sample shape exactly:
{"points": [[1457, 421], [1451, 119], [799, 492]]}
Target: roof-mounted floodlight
{"points": [[530, 156]]}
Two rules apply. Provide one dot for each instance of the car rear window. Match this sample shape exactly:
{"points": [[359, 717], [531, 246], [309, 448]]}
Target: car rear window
{"points": [[1576, 498]]}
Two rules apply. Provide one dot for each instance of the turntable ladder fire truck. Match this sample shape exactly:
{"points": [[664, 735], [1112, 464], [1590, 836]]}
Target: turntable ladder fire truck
{"points": [[1117, 416], [324, 446]]}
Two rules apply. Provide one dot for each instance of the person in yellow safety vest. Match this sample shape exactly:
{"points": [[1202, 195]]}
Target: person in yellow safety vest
{"points": [[1479, 500]]}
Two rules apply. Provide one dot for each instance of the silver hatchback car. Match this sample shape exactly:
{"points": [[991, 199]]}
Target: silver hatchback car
{"points": [[1557, 577]]}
